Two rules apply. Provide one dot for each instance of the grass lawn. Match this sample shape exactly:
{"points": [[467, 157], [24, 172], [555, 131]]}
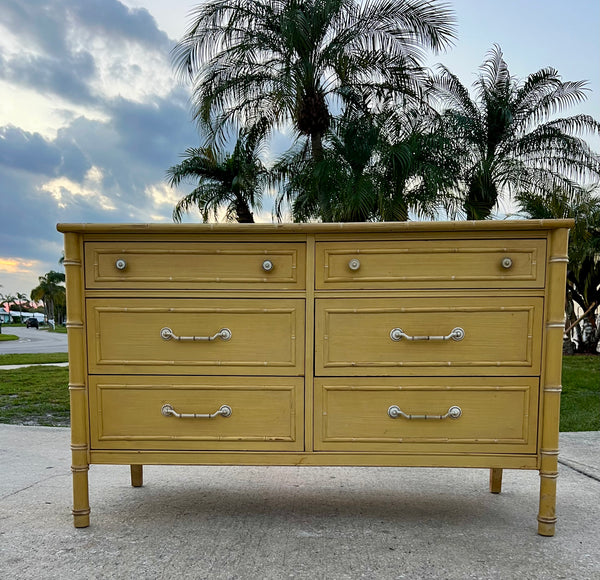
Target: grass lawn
{"points": [[35, 396], [8, 337], [40, 395], [580, 400], [30, 358]]}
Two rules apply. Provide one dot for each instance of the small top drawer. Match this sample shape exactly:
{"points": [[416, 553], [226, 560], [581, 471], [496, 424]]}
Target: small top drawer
{"points": [[195, 265], [513, 263]]}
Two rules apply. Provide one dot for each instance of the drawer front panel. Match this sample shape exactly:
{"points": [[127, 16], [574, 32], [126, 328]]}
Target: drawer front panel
{"points": [[501, 336], [498, 415], [201, 265], [125, 336], [431, 264], [266, 413]]}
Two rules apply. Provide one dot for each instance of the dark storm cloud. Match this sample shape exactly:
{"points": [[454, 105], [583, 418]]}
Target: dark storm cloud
{"points": [[54, 58], [39, 24], [114, 20], [132, 150], [92, 170], [157, 131], [68, 75], [28, 151]]}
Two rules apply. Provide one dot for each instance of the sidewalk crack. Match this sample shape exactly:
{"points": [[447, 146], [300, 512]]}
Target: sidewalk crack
{"points": [[2, 498], [582, 468]]}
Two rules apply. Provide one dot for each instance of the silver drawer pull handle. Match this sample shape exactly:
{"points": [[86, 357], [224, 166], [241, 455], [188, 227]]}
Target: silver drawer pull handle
{"points": [[354, 264], [224, 411], [267, 265], [397, 334], [454, 412], [167, 334], [507, 263], [120, 264]]}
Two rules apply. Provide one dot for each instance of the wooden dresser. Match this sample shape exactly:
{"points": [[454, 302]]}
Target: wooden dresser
{"points": [[393, 344]]}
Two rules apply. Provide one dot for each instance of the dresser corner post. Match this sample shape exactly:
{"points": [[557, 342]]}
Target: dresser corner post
{"points": [[551, 378], [77, 378]]}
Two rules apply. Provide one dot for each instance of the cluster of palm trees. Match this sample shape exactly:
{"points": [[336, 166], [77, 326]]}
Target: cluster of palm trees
{"points": [[50, 291], [375, 136]]}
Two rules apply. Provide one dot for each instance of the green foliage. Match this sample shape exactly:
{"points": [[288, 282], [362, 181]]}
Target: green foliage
{"points": [[52, 292], [375, 167], [580, 400], [33, 358], [286, 61], [508, 139], [35, 396], [583, 270], [234, 182]]}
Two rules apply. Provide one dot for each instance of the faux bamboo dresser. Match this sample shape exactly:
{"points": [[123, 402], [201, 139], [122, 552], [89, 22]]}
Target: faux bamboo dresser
{"points": [[384, 344]]}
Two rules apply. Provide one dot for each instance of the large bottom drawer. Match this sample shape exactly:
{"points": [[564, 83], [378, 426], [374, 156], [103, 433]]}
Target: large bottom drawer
{"points": [[134, 412], [497, 414]]}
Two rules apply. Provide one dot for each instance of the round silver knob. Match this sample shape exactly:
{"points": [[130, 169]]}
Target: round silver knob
{"points": [[120, 264], [354, 264], [506, 263], [267, 265], [454, 412]]}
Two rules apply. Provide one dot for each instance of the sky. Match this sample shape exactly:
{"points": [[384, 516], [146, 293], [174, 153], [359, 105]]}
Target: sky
{"points": [[91, 114]]}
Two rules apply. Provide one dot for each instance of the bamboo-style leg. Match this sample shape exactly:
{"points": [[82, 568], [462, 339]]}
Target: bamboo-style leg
{"points": [[137, 475], [548, 476], [551, 386], [81, 500], [77, 380], [495, 480]]}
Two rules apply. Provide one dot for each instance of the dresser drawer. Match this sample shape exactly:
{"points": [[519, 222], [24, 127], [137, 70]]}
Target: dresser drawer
{"points": [[142, 336], [141, 413], [490, 335], [512, 263], [497, 415], [195, 265]]}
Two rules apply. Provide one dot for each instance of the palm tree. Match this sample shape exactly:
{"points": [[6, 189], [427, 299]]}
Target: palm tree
{"points": [[583, 271], [508, 137], [20, 297], [7, 299], [284, 60], [234, 181], [52, 293], [378, 167]]}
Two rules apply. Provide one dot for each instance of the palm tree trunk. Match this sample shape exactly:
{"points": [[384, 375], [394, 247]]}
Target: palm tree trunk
{"points": [[242, 210], [316, 143]]}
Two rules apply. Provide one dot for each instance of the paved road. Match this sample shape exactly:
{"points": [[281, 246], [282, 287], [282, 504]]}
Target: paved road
{"points": [[32, 340]]}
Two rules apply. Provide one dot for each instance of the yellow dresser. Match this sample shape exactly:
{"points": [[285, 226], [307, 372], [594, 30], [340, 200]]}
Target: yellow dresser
{"points": [[393, 344]]}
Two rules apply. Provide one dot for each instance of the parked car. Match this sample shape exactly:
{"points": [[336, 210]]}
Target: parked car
{"points": [[32, 323]]}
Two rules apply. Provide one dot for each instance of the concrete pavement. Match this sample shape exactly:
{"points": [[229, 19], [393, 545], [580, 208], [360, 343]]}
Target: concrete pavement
{"points": [[291, 522], [32, 340]]}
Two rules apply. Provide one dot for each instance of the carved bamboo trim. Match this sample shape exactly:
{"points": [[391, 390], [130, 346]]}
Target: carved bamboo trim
{"points": [[547, 520], [549, 451]]}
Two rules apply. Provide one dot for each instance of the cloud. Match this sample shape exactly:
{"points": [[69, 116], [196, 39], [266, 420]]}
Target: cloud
{"points": [[28, 151], [115, 21], [82, 51], [15, 265], [99, 78]]}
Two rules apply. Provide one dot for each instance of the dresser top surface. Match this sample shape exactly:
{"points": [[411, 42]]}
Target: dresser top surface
{"points": [[317, 228]]}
